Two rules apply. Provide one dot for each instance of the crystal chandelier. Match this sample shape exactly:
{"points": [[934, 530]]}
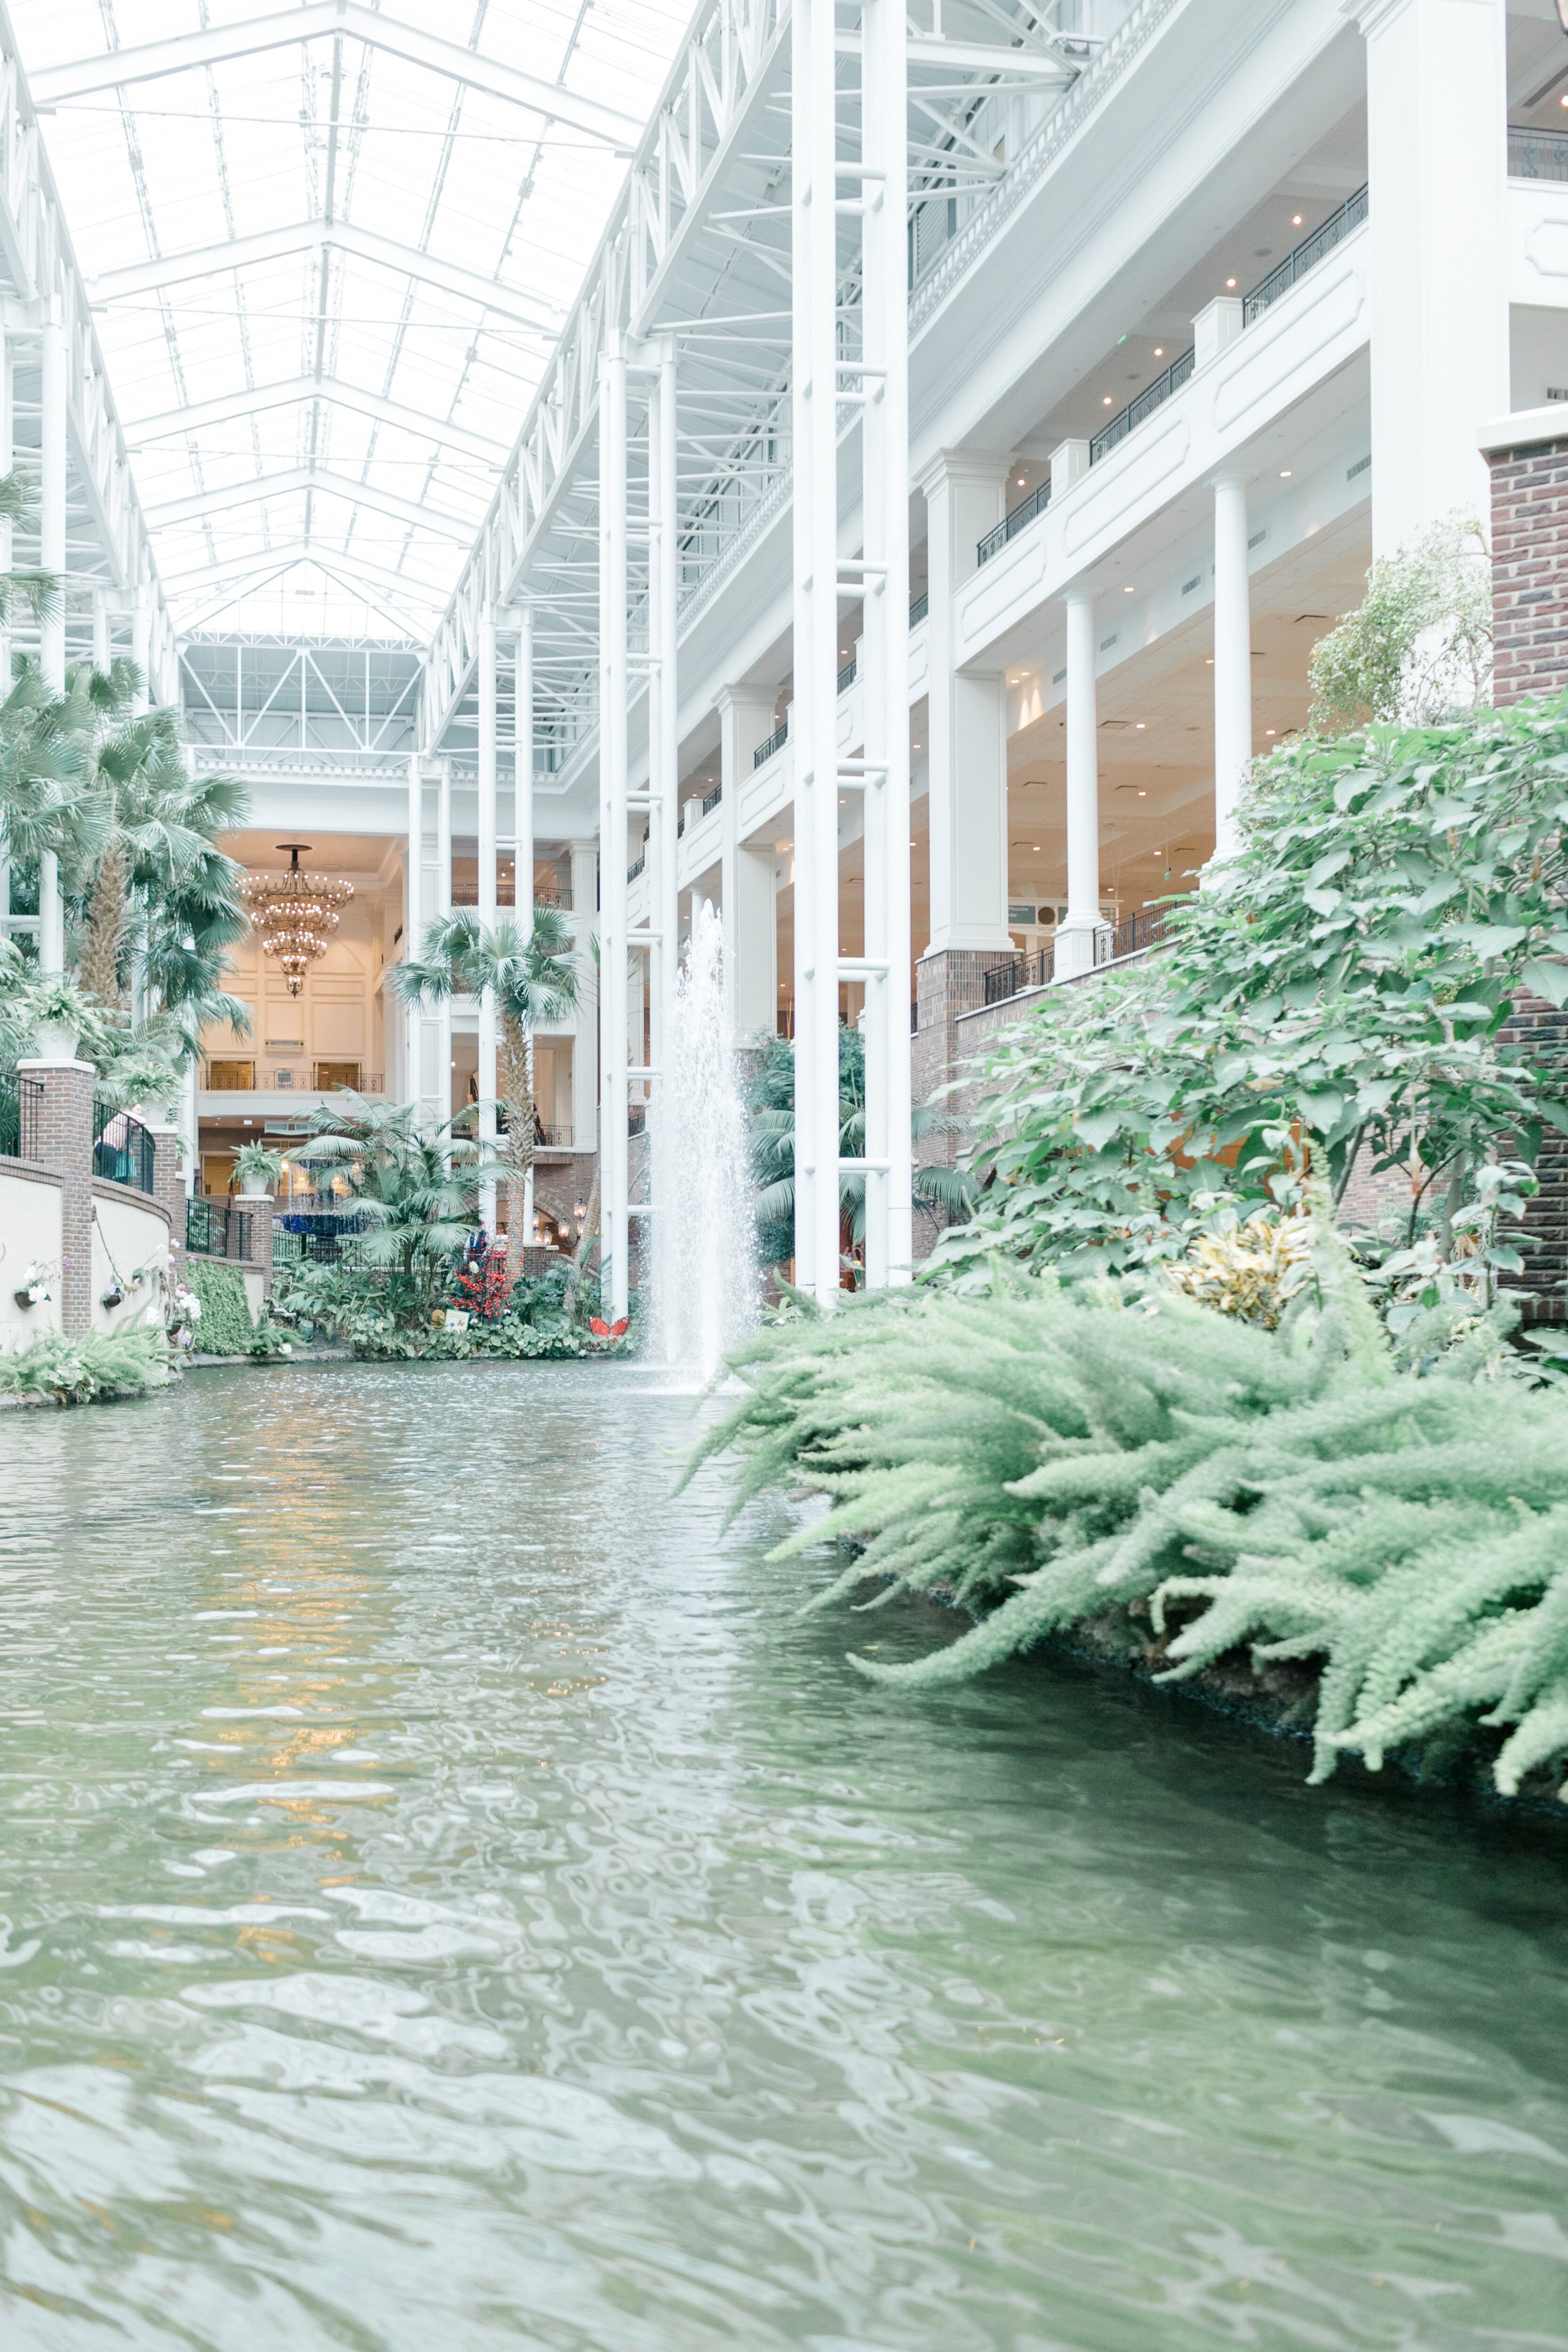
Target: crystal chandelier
{"points": [[295, 913]]}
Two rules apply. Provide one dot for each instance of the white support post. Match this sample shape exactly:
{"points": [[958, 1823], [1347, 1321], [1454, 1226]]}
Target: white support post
{"points": [[885, 453], [520, 1226], [488, 910], [52, 633], [1436, 89], [664, 738], [443, 908], [586, 1107], [746, 888], [413, 923], [815, 720], [102, 651], [141, 648], [965, 492], [1232, 659], [613, 1161], [7, 459], [1076, 937]]}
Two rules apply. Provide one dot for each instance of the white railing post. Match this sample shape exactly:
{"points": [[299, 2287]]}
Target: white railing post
{"points": [[489, 909]]}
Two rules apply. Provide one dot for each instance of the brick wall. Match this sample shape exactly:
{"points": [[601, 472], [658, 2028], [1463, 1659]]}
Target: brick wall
{"points": [[1530, 567], [64, 1145]]}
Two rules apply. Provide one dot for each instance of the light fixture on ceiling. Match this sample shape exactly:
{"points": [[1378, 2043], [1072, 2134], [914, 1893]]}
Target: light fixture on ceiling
{"points": [[1142, 796], [294, 913], [1142, 724], [1230, 282], [1159, 351], [1129, 590], [1284, 473], [1295, 220], [1107, 402]]}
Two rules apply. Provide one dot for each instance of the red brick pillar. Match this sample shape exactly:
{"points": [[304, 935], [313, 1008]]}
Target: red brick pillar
{"points": [[1528, 454], [65, 1144], [169, 1191], [258, 1211]]}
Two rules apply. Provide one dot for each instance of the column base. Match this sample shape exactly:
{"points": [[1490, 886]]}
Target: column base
{"points": [[1074, 952]]}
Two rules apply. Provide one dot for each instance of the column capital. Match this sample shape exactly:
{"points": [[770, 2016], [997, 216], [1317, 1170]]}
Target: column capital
{"points": [[744, 698], [983, 467], [1080, 594]]}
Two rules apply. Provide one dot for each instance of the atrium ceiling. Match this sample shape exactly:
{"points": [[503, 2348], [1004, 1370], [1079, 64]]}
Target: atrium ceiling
{"points": [[330, 250]]}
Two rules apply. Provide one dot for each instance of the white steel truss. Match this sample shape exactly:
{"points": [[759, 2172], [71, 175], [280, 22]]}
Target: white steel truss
{"points": [[263, 706]]}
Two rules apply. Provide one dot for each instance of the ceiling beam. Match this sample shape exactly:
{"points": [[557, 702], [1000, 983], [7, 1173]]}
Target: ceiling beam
{"points": [[277, 244], [300, 550], [202, 503], [119, 68], [247, 586], [252, 403]]}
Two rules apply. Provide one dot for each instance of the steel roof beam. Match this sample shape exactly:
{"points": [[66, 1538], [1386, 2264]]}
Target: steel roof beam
{"points": [[255, 401], [202, 503], [310, 237], [301, 551], [119, 68]]}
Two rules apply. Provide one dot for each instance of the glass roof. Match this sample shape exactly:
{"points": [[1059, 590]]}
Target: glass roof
{"points": [[318, 419]]}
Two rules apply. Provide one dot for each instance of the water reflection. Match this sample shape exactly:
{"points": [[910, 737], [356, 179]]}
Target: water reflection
{"points": [[448, 1899]]}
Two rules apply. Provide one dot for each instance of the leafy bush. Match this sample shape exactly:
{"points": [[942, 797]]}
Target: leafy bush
{"points": [[382, 1315], [227, 1328], [105, 1364], [1345, 982], [1046, 1455]]}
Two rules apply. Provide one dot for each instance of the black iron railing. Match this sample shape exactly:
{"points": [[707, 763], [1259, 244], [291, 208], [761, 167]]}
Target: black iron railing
{"points": [[21, 1104], [1311, 249], [1537, 154], [847, 676], [775, 742], [1145, 929], [711, 800], [1011, 525], [1153, 396], [210, 1228], [918, 607], [123, 1150], [633, 871], [1016, 973]]}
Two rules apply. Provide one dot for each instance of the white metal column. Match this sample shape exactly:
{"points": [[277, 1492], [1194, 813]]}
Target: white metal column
{"points": [[885, 456], [1232, 658], [488, 908], [52, 633], [614, 1158], [413, 924], [813, 720], [141, 648], [664, 738], [103, 649], [1075, 940], [520, 1221], [444, 907]]}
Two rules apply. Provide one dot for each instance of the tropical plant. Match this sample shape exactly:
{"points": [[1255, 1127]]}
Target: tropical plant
{"points": [[1049, 1456], [532, 980], [257, 1164], [227, 1326], [1419, 645], [100, 1366], [1346, 980], [416, 1193], [770, 1097]]}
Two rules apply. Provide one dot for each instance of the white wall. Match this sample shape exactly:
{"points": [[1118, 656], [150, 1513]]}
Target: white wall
{"points": [[127, 1241], [29, 1235]]}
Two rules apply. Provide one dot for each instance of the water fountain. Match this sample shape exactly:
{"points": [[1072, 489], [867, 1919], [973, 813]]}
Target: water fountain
{"points": [[706, 1288]]}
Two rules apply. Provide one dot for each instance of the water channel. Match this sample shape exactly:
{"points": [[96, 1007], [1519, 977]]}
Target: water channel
{"points": [[450, 1900]]}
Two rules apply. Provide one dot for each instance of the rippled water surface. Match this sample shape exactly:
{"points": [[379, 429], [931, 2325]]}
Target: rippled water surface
{"points": [[448, 1899]]}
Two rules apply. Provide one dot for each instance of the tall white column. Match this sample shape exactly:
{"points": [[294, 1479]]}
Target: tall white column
{"points": [[1075, 938], [814, 719], [613, 670], [52, 633], [885, 441], [664, 708], [746, 886], [520, 1226], [1437, 169], [102, 650], [965, 492], [586, 1043], [141, 648], [7, 459], [1232, 658], [413, 925], [488, 910], [444, 907]]}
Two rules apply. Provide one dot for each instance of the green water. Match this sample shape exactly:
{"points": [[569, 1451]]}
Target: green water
{"points": [[450, 1900]]}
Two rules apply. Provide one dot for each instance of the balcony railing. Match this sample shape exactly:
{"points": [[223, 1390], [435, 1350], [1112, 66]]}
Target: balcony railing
{"points": [[918, 607], [633, 871], [227, 1078], [1153, 396], [1311, 249], [123, 1150], [21, 1102], [1022, 515], [775, 742], [322, 1236], [847, 676], [1537, 154], [1135, 932], [1016, 973], [217, 1228], [713, 798]]}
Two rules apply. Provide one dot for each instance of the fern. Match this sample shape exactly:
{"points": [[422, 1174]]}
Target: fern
{"points": [[1046, 1455]]}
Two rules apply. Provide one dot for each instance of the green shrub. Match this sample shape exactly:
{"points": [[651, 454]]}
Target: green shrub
{"points": [[105, 1364], [226, 1327], [1048, 1455]]}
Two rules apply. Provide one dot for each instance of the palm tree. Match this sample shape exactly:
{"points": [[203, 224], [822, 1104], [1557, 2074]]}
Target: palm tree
{"points": [[532, 980], [771, 1099], [417, 1194]]}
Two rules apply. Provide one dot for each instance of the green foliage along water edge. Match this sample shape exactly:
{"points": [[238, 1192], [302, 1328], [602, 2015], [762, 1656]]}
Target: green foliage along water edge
{"points": [[104, 1364], [1048, 1454], [227, 1328]]}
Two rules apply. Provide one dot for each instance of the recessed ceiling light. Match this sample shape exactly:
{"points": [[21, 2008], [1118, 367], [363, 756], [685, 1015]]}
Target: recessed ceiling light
{"points": [[1296, 217], [1142, 796], [1107, 402], [1159, 351], [1034, 846], [1284, 473], [1020, 481], [1230, 282], [1269, 731], [1142, 724]]}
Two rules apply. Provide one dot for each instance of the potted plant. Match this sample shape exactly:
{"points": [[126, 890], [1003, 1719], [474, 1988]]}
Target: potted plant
{"points": [[256, 1170]]}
